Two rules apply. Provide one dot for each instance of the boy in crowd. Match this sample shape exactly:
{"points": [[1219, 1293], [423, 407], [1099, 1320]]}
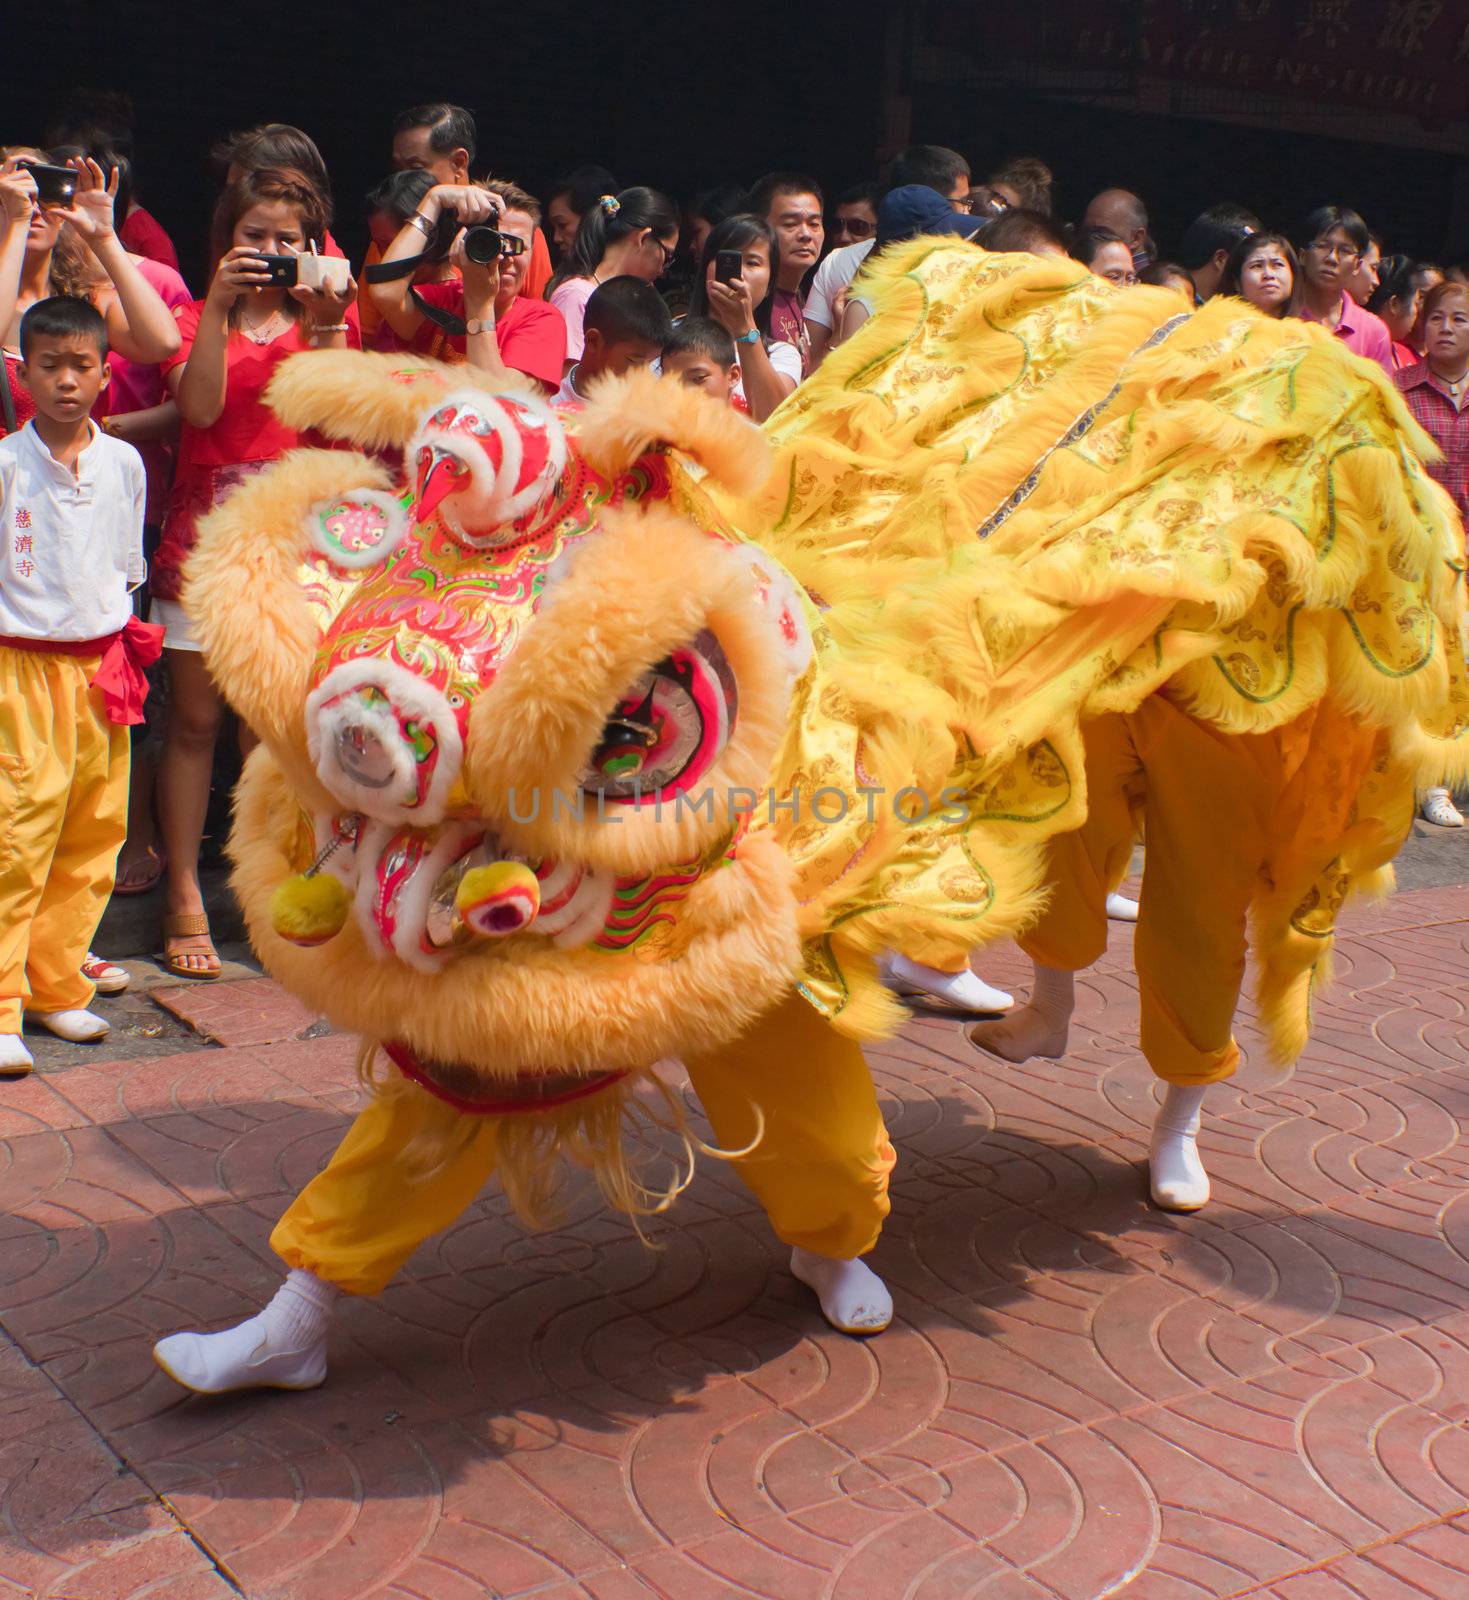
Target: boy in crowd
{"points": [[71, 673], [627, 325], [701, 355]]}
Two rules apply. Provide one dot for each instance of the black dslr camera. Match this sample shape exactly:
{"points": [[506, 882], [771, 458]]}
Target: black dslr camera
{"points": [[482, 243]]}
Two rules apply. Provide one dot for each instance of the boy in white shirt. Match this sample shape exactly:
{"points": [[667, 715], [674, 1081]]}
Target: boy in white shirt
{"points": [[625, 325], [71, 679]]}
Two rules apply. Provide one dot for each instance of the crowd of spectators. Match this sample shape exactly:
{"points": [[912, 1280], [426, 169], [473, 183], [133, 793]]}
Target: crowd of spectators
{"points": [[743, 291]]}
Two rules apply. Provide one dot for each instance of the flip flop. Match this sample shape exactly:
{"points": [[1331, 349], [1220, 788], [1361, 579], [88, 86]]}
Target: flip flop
{"points": [[151, 864], [192, 926]]}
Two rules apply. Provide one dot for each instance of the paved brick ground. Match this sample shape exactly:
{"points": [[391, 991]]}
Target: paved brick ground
{"points": [[1081, 1396]]}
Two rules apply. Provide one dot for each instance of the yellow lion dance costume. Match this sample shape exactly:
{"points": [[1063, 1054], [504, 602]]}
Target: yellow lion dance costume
{"points": [[563, 773]]}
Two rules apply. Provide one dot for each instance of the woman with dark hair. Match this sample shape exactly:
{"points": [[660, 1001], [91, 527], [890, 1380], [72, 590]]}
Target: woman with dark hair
{"points": [[233, 341], [282, 147], [634, 233], [1263, 270], [571, 198], [1402, 283], [1331, 242], [710, 208], [1105, 253], [769, 368]]}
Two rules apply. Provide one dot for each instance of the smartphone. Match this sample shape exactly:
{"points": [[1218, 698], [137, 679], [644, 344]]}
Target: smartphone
{"points": [[728, 264], [55, 186], [280, 271]]}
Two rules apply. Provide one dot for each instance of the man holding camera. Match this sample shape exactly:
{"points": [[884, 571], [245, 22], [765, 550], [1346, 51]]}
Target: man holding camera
{"points": [[482, 318]]}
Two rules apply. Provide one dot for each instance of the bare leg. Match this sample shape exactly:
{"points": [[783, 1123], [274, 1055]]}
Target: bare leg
{"points": [[194, 714]]}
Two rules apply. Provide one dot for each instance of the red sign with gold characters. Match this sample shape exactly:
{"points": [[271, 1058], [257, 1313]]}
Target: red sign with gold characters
{"points": [[1409, 56]]}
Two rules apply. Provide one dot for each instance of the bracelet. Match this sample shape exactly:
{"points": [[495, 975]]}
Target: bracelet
{"points": [[425, 227], [331, 327], [752, 337]]}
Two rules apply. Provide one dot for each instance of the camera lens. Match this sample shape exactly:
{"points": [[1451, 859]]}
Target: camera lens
{"points": [[482, 245]]}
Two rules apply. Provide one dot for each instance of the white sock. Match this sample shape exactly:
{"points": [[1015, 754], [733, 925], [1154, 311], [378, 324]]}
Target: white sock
{"points": [[853, 1298], [1178, 1179], [1120, 908], [15, 1059], [1041, 1027], [79, 1027], [283, 1347], [964, 989]]}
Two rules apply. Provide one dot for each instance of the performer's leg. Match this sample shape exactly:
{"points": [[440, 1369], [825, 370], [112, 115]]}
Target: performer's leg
{"points": [[822, 1162], [348, 1231], [1085, 865], [1209, 801], [37, 755], [79, 882]]}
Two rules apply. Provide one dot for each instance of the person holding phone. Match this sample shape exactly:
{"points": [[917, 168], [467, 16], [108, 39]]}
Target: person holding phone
{"points": [[72, 248], [232, 342], [740, 264]]}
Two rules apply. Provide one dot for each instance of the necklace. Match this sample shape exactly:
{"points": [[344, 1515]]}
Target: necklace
{"points": [[1453, 385], [265, 331]]}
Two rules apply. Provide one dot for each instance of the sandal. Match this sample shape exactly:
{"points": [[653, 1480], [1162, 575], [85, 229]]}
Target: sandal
{"points": [[143, 875], [192, 929]]}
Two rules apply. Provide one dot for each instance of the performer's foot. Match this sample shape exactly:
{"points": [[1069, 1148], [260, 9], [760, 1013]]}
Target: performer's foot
{"points": [[1041, 1027], [1121, 909], [1178, 1179], [15, 1059], [964, 990], [853, 1298], [283, 1347], [77, 1027]]}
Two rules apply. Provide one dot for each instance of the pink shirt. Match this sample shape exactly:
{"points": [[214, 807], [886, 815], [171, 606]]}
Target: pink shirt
{"points": [[570, 299], [1361, 331], [139, 387]]}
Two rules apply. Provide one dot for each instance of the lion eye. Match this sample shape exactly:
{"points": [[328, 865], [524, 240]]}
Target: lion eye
{"points": [[668, 729]]}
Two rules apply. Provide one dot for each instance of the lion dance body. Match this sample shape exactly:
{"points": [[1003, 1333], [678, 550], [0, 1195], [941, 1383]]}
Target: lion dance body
{"points": [[594, 739]]}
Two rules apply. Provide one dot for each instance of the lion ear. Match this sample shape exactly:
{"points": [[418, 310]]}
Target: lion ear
{"points": [[626, 417], [373, 401]]}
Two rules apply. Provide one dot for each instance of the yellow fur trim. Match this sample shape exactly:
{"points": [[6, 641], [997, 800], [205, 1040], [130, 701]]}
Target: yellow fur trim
{"points": [[520, 1005], [625, 417]]}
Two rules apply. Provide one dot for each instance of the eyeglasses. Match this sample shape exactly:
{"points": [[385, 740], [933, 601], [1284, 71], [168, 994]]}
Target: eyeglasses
{"points": [[670, 251], [1120, 277], [1333, 252]]}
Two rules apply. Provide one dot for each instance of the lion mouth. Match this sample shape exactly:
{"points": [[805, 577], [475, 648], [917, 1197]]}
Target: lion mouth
{"points": [[463, 1088], [407, 882]]}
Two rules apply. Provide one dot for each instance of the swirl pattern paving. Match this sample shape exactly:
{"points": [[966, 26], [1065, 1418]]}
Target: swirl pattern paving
{"points": [[1081, 1396]]}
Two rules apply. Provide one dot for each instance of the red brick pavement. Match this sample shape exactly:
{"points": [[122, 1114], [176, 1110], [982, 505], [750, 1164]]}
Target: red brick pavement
{"points": [[1081, 1396]]}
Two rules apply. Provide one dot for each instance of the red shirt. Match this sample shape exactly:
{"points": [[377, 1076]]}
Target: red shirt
{"points": [[247, 429], [142, 233], [1445, 424], [531, 334]]}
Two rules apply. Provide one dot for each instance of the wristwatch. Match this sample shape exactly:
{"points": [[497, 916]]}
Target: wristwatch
{"points": [[480, 325], [752, 337]]}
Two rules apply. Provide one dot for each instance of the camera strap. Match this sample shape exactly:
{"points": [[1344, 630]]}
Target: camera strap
{"points": [[7, 399], [391, 271]]}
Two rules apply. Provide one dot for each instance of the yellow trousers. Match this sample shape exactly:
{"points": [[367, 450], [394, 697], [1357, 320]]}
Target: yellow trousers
{"points": [[820, 1170], [1206, 799], [63, 818]]}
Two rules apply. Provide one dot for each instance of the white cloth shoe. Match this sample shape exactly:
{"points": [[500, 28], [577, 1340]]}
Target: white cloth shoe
{"points": [[283, 1347], [1177, 1176], [965, 990], [15, 1059], [1120, 908], [77, 1027], [853, 1298], [1439, 809]]}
